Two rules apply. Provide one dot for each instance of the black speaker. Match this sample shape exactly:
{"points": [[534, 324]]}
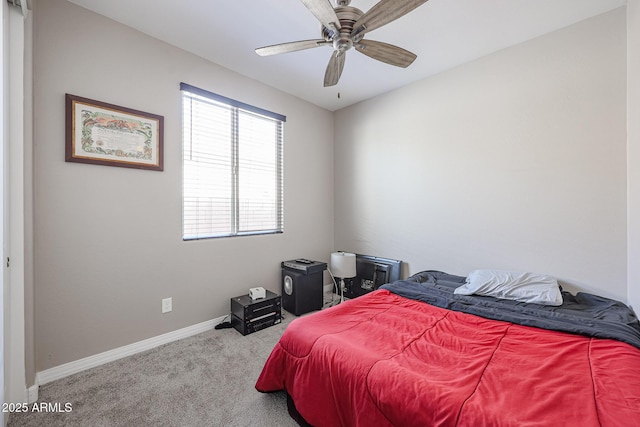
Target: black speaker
{"points": [[301, 290]]}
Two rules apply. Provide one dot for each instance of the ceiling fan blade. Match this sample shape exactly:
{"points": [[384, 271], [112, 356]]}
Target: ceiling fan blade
{"points": [[334, 69], [385, 52], [324, 12], [289, 47], [382, 13]]}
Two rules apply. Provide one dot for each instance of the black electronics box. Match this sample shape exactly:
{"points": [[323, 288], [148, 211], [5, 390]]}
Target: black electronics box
{"points": [[249, 316], [302, 287], [371, 273]]}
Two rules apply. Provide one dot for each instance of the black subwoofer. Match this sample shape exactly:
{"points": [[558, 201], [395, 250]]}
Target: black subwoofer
{"points": [[302, 287]]}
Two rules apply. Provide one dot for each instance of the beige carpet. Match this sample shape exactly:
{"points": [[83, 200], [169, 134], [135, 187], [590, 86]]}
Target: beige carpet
{"points": [[204, 380]]}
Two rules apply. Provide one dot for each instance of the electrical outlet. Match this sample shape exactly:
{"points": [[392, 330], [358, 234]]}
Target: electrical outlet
{"points": [[166, 305]]}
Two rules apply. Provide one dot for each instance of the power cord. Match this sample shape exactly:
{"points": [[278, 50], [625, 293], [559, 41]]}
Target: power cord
{"points": [[333, 294], [225, 324]]}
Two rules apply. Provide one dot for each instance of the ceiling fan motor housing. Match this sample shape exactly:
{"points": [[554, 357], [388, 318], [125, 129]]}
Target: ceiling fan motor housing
{"points": [[343, 41]]}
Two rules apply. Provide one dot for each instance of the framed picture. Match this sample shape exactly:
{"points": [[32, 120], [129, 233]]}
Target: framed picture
{"points": [[110, 135]]}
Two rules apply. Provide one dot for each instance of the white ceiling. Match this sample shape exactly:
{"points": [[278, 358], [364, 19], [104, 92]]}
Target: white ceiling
{"points": [[443, 33]]}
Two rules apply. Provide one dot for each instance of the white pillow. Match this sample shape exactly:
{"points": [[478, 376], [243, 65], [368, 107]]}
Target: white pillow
{"points": [[524, 287]]}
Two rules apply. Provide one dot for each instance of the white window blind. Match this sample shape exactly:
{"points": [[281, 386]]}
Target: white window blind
{"points": [[232, 167]]}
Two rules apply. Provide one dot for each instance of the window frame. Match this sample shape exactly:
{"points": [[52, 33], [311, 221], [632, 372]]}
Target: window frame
{"points": [[237, 108]]}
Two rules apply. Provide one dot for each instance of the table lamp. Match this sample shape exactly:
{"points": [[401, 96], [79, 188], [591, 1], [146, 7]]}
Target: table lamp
{"points": [[343, 266]]}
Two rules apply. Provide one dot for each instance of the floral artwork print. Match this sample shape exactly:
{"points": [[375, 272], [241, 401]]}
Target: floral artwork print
{"points": [[110, 135], [93, 121]]}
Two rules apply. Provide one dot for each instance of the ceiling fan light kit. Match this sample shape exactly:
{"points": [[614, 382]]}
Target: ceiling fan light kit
{"points": [[344, 27]]}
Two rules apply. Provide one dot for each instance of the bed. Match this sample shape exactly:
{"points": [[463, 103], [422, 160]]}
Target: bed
{"points": [[413, 353]]}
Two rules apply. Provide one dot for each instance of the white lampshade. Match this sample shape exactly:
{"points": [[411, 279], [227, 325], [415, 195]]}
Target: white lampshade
{"points": [[343, 264]]}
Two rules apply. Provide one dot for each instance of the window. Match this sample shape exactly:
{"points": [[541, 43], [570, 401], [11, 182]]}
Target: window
{"points": [[232, 167]]}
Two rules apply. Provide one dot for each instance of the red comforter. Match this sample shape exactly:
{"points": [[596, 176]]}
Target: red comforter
{"points": [[382, 360]]}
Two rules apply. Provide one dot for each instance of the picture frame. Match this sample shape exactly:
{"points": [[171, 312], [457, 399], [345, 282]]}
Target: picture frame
{"points": [[111, 135]]}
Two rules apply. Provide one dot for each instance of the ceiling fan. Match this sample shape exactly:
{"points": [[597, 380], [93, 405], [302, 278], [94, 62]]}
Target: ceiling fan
{"points": [[344, 27]]}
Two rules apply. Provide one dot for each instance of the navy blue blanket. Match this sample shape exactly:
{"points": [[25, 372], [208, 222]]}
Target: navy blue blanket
{"points": [[583, 313]]}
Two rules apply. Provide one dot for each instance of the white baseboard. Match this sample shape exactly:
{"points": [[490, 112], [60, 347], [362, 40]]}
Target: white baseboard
{"points": [[57, 372], [32, 393]]}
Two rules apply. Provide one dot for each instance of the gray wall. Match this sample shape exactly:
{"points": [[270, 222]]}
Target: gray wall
{"points": [[514, 161], [108, 243]]}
